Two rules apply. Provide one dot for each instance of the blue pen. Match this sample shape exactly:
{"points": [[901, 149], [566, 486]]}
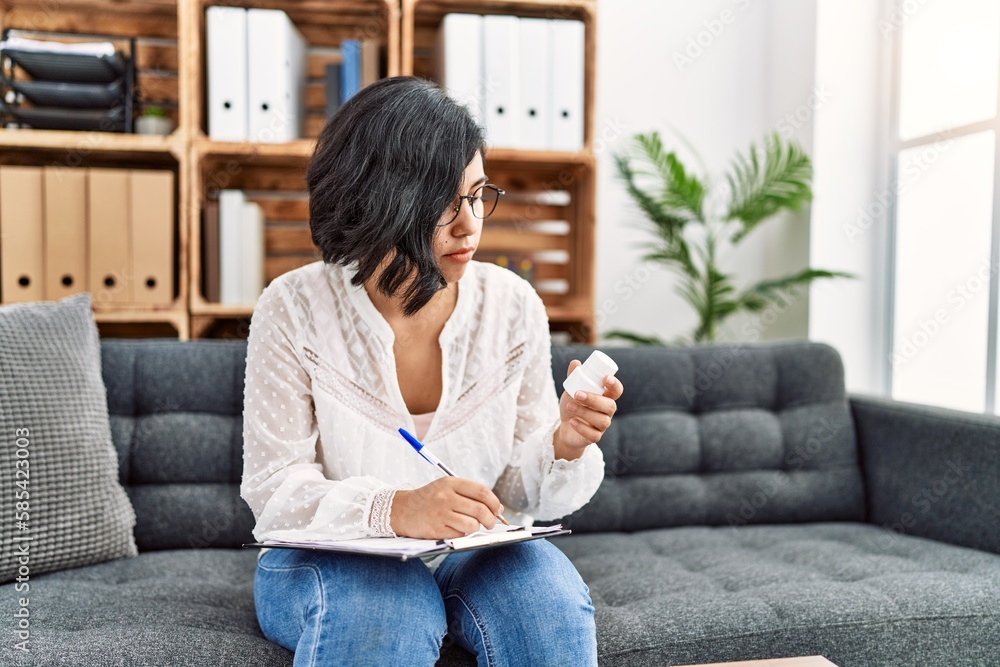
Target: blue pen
{"points": [[430, 458]]}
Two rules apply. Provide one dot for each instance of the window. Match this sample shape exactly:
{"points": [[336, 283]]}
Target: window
{"points": [[944, 224]]}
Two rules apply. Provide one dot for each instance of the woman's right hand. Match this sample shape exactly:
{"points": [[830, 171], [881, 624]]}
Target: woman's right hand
{"points": [[447, 507]]}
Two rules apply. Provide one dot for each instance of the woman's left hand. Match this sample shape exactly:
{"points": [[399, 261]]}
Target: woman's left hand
{"points": [[584, 420]]}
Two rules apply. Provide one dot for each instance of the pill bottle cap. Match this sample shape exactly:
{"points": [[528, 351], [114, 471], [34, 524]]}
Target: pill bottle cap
{"points": [[601, 364]]}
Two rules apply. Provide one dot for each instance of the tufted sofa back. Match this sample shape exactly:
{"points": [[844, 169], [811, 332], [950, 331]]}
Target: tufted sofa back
{"points": [[706, 435], [176, 420], [725, 435]]}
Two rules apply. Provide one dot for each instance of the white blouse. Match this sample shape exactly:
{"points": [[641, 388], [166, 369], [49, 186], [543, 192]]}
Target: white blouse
{"points": [[321, 452]]}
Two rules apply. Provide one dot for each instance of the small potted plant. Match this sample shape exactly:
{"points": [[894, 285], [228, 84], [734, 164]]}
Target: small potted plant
{"points": [[154, 120]]}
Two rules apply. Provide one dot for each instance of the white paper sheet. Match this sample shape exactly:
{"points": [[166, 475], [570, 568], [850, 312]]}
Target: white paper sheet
{"points": [[411, 546]]}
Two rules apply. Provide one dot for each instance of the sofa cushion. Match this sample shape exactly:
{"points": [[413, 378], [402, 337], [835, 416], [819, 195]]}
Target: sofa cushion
{"points": [[852, 592], [58, 466], [169, 607], [176, 416], [855, 593], [724, 435]]}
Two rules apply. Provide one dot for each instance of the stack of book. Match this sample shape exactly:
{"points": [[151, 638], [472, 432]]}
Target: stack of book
{"points": [[54, 85]]}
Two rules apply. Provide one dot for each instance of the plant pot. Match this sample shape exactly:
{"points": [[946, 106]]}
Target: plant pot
{"points": [[153, 125]]}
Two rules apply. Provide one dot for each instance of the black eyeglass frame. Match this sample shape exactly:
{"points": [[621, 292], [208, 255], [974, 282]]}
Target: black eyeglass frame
{"points": [[500, 192]]}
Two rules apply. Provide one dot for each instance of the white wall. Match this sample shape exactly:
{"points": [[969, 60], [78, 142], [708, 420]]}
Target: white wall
{"points": [[757, 65], [850, 176]]}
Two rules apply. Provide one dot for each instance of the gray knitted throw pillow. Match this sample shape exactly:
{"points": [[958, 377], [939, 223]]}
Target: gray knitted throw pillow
{"points": [[62, 503]]}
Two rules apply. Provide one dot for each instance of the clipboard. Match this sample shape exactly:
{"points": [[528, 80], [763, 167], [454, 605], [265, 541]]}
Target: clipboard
{"points": [[431, 548]]}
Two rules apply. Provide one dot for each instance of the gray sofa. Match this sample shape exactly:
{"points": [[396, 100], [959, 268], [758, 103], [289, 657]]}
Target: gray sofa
{"points": [[750, 509]]}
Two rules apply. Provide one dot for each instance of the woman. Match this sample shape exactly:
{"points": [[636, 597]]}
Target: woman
{"points": [[398, 327]]}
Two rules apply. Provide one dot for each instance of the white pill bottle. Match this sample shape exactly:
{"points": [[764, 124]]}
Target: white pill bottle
{"points": [[589, 376]]}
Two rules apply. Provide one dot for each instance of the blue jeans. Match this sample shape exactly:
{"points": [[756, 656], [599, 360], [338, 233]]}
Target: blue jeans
{"points": [[513, 605]]}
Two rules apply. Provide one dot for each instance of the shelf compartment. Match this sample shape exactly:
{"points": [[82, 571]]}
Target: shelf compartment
{"points": [[275, 181], [153, 24], [140, 324], [324, 25], [421, 21]]}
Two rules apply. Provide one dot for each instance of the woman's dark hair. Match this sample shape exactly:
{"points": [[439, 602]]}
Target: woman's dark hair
{"points": [[386, 166]]}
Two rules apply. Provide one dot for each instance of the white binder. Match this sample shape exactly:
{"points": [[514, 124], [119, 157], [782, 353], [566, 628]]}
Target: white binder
{"points": [[534, 120], [276, 74], [567, 85], [252, 257], [231, 246], [459, 61], [500, 67], [226, 30]]}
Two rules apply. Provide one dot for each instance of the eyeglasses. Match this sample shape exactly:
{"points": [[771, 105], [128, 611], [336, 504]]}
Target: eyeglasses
{"points": [[483, 202]]}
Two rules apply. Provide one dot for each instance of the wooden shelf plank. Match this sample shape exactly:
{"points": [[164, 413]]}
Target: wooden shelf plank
{"points": [[337, 7], [543, 8], [556, 313], [567, 313], [510, 240], [221, 310], [108, 18], [135, 315], [546, 159], [164, 6], [292, 150], [110, 142], [304, 148]]}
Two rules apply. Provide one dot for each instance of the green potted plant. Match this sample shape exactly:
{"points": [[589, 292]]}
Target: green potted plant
{"points": [[154, 120], [761, 184]]}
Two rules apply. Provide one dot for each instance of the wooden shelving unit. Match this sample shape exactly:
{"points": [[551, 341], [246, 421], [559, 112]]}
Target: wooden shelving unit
{"points": [[171, 71], [532, 176], [154, 23]]}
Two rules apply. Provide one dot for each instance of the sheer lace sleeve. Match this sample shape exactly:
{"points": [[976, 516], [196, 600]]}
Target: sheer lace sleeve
{"points": [[534, 482], [282, 482]]}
